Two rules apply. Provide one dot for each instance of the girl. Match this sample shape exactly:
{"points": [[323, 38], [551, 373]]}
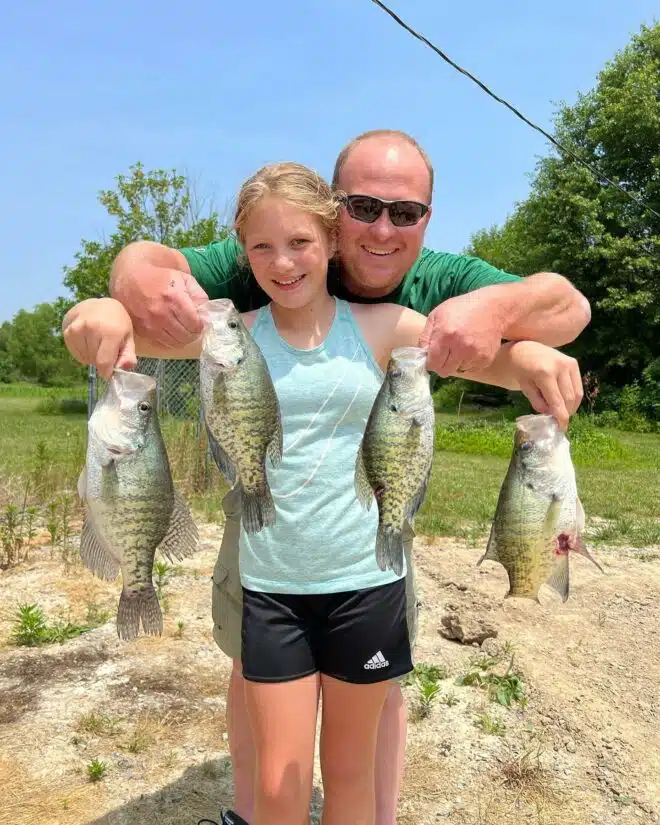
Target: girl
{"points": [[319, 617]]}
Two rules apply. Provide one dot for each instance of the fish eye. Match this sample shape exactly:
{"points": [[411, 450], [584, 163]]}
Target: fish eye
{"points": [[393, 407], [526, 446], [144, 406], [232, 325], [396, 373]]}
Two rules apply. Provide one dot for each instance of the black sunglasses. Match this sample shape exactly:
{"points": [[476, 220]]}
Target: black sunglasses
{"points": [[368, 209]]}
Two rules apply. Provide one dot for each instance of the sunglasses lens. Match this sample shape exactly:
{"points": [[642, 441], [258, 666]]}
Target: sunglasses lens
{"points": [[406, 213], [364, 209]]}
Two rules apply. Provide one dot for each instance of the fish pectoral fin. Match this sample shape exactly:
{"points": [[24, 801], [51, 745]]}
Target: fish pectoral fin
{"points": [[182, 537], [559, 577], [94, 555], [222, 460], [491, 548], [551, 520], [276, 447], [363, 488], [581, 548]]}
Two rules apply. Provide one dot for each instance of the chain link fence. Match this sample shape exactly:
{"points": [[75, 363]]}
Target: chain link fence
{"points": [[178, 387]]}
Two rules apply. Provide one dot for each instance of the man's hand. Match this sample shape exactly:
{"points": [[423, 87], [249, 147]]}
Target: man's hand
{"points": [[548, 378], [99, 331], [463, 334], [162, 297]]}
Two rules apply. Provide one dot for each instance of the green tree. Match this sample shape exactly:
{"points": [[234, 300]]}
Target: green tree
{"points": [[591, 232], [7, 372], [155, 205], [35, 348]]}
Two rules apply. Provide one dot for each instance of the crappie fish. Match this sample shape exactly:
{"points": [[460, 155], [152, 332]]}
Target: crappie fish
{"points": [[396, 452], [241, 410], [539, 518], [131, 506]]}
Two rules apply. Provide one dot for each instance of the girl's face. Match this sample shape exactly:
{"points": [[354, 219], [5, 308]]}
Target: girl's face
{"points": [[288, 250]]}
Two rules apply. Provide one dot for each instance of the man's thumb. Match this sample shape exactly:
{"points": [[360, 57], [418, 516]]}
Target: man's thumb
{"points": [[127, 359], [427, 333], [197, 294]]}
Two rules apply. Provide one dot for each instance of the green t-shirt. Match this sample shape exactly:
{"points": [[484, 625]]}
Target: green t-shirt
{"points": [[222, 271]]}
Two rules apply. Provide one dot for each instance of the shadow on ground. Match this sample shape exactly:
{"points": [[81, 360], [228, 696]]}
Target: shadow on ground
{"points": [[200, 792]]}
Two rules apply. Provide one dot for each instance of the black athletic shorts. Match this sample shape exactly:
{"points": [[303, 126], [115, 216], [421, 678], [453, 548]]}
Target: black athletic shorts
{"points": [[358, 636]]}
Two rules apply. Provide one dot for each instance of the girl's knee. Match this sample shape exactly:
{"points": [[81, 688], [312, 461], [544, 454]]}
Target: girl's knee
{"points": [[281, 789], [346, 771]]}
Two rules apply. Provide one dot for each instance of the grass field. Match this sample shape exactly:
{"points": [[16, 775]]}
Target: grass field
{"points": [[43, 434]]}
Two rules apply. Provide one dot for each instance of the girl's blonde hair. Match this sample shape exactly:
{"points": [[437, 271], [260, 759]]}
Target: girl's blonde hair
{"points": [[294, 183]]}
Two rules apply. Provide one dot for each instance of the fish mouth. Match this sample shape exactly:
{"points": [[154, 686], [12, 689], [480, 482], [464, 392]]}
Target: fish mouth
{"points": [[409, 359], [120, 452], [536, 426]]}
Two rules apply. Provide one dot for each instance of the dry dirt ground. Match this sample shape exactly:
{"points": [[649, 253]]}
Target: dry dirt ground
{"points": [[585, 748]]}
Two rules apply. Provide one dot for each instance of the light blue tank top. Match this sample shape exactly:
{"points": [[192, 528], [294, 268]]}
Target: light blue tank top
{"points": [[323, 540]]}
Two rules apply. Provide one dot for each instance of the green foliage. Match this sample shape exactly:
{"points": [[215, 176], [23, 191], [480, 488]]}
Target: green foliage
{"points": [[155, 205], [31, 629], [501, 688], [593, 233], [589, 445], [35, 350], [96, 770]]}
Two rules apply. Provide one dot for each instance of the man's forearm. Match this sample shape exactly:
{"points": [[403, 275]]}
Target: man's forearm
{"points": [[544, 307]]}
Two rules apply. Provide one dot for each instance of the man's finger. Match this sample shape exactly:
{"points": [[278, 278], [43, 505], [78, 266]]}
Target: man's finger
{"points": [[566, 389], [106, 356], [553, 397], [184, 307], [535, 397], [197, 294], [578, 386], [434, 343], [127, 359]]}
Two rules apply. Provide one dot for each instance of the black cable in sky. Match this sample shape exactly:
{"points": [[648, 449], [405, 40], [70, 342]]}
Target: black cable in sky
{"points": [[594, 170]]}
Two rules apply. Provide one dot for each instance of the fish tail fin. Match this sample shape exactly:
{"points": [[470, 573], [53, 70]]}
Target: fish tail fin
{"points": [[389, 549], [139, 607], [258, 509]]}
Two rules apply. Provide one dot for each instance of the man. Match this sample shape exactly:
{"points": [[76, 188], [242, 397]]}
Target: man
{"points": [[471, 308]]}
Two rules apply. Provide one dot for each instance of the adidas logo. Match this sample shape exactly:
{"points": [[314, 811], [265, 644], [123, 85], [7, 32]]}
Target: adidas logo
{"points": [[376, 662]]}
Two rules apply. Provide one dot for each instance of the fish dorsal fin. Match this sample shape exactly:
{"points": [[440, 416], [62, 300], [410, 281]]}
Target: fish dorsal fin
{"points": [[491, 547]]}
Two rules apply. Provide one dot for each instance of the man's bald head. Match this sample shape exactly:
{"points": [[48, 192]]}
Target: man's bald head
{"points": [[392, 150]]}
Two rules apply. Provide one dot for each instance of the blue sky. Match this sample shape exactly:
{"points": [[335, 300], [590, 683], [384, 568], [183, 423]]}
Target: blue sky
{"points": [[218, 89]]}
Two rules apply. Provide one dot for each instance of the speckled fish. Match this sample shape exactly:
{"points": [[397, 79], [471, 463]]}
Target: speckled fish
{"points": [[539, 519], [131, 506], [395, 455], [241, 410]]}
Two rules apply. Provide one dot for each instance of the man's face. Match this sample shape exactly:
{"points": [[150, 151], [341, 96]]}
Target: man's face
{"points": [[376, 256]]}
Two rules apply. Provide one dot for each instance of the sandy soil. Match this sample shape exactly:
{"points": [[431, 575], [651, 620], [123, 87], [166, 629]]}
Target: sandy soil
{"points": [[585, 748]]}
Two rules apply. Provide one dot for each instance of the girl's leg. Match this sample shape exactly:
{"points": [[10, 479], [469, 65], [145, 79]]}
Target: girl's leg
{"points": [[241, 744], [390, 755], [349, 731], [283, 720]]}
